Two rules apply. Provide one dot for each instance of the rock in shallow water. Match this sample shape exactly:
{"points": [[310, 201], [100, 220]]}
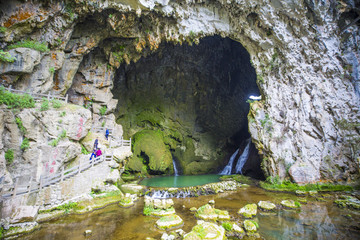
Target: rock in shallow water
{"points": [[249, 210], [206, 230], [250, 226], [170, 221], [290, 204], [266, 205]]}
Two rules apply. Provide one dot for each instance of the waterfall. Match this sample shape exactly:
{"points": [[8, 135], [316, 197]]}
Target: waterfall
{"points": [[228, 167], [242, 159], [176, 172]]}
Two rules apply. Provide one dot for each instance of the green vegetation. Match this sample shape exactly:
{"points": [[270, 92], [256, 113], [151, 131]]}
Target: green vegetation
{"points": [[250, 101], [61, 136], [84, 151], [56, 103], [44, 105], [25, 144], [9, 156], [192, 36], [1, 232], [2, 29], [103, 124], [20, 125], [42, 47], [297, 204], [66, 207], [275, 184], [227, 226], [238, 178], [62, 114], [52, 70], [148, 210], [103, 110], [16, 101], [6, 57]]}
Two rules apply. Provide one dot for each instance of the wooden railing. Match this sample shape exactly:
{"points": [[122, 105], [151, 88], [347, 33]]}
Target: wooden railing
{"points": [[123, 143], [102, 129], [48, 180], [39, 96]]}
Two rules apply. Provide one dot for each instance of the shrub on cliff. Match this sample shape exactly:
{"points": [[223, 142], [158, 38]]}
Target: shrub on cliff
{"points": [[6, 57], [42, 47], [13, 100], [9, 156]]}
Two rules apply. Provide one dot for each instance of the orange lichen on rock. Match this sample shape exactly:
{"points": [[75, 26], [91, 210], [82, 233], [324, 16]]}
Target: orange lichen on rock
{"points": [[140, 45], [18, 17], [152, 42]]}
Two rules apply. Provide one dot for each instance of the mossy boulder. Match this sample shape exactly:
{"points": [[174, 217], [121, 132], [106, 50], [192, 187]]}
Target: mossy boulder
{"points": [[266, 205], [345, 201], [150, 153], [169, 221], [250, 226], [207, 212], [206, 230], [249, 210], [127, 200], [291, 204]]}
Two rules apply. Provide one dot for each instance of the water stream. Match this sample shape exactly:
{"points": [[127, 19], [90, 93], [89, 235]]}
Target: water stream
{"points": [[228, 167], [176, 172], [243, 158], [316, 220]]}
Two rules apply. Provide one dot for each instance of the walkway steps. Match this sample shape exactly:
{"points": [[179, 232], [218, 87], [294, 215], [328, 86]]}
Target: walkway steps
{"points": [[52, 179]]}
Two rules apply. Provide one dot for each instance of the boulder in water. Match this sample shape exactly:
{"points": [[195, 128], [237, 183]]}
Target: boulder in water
{"points": [[348, 202], [266, 205], [168, 222], [249, 210], [290, 204], [207, 212], [250, 226], [206, 230]]}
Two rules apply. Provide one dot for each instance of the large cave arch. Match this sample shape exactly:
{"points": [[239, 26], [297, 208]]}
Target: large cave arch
{"points": [[196, 96]]}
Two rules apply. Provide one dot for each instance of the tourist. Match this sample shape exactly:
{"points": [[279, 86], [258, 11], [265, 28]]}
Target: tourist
{"points": [[96, 144], [107, 134], [98, 152], [93, 154]]}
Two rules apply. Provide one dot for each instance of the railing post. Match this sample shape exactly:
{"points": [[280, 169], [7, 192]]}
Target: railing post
{"points": [[40, 182], [30, 184], [79, 166], [15, 187], [62, 174], [92, 161], [66, 98], [130, 142]]}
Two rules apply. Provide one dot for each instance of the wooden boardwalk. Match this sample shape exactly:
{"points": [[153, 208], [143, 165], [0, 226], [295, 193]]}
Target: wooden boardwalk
{"points": [[38, 96], [47, 180]]}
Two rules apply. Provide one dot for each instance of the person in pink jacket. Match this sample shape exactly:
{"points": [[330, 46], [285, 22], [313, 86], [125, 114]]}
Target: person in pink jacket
{"points": [[98, 152]]}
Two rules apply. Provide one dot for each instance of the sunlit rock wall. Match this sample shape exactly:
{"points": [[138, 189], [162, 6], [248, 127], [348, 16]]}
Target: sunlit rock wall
{"points": [[306, 60]]}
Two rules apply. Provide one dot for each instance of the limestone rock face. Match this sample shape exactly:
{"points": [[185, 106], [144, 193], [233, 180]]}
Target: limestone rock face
{"points": [[26, 60], [306, 62], [25, 214]]}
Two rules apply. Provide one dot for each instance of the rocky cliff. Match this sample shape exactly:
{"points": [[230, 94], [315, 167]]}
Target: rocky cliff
{"points": [[304, 53]]}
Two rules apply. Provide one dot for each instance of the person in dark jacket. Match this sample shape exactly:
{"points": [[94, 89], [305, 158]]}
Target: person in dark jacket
{"points": [[107, 132]]}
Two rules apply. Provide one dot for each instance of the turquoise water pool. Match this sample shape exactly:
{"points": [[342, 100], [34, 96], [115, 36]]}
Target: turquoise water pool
{"points": [[180, 181]]}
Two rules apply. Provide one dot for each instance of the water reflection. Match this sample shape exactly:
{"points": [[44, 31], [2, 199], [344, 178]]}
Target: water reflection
{"points": [[316, 220]]}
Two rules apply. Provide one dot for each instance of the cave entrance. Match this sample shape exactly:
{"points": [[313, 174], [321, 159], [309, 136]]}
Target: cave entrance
{"points": [[195, 98]]}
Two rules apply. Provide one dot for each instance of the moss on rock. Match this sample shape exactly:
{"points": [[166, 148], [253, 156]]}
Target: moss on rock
{"points": [[150, 153]]}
